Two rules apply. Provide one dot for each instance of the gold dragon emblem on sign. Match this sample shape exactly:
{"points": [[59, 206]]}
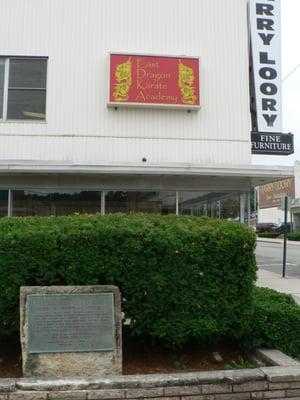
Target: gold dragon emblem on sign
{"points": [[123, 76], [186, 80]]}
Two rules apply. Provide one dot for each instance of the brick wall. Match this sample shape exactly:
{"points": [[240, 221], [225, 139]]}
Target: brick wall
{"points": [[261, 383]]}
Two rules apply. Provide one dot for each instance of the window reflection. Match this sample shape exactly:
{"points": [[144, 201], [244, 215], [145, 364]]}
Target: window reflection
{"points": [[67, 202], [45, 203], [211, 204], [26, 95], [147, 202], [3, 203]]}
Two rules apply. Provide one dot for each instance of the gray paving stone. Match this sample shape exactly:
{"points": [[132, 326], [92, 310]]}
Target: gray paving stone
{"points": [[216, 388], [284, 385], [140, 393], [282, 374], [276, 358], [68, 395], [233, 396], [201, 397], [293, 392], [251, 386], [183, 390], [28, 396], [270, 394], [7, 385], [106, 394]]}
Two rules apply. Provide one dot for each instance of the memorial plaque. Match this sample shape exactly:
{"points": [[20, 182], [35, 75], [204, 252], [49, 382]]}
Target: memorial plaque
{"points": [[70, 322], [70, 331]]}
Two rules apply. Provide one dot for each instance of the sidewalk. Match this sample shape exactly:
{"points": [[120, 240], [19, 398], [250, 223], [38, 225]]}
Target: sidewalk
{"points": [[277, 241], [276, 282], [272, 280]]}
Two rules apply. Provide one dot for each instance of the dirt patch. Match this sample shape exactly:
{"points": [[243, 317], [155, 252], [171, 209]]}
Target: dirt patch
{"points": [[140, 357], [10, 358]]}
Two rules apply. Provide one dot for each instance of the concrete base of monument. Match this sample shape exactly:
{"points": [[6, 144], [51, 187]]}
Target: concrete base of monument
{"points": [[281, 381], [70, 331], [70, 364]]}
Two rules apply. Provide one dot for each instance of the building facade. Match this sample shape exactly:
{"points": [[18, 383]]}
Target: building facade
{"points": [[295, 204], [62, 150]]}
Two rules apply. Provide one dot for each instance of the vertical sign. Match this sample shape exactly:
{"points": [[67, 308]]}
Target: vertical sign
{"points": [[265, 24]]}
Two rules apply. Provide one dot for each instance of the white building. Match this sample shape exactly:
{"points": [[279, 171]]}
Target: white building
{"points": [[63, 150], [295, 207]]}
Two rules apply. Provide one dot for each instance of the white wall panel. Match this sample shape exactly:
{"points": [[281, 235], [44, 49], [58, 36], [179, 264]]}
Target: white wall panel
{"points": [[297, 179], [76, 35], [271, 215], [97, 149]]}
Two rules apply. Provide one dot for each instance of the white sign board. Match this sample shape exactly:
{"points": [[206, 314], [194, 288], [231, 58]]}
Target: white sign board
{"points": [[265, 25]]}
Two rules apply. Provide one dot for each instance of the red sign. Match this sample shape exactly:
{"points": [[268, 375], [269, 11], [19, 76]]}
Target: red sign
{"points": [[154, 81]]}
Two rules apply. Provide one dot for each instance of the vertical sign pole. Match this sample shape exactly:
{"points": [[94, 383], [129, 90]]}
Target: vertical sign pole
{"points": [[242, 208], [177, 203], [9, 205], [102, 202], [249, 208], [285, 235]]}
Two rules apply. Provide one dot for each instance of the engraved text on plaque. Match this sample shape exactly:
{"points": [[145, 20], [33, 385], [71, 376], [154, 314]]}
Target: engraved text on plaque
{"points": [[70, 322]]}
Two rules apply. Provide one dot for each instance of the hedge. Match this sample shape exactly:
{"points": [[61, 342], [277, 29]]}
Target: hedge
{"points": [[294, 236], [180, 277], [269, 234], [275, 322]]}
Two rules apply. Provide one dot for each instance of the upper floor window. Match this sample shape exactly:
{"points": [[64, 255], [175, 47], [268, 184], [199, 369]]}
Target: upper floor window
{"points": [[23, 88]]}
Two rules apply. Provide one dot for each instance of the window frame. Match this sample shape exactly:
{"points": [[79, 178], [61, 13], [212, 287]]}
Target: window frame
{"points": [[6, 89]]}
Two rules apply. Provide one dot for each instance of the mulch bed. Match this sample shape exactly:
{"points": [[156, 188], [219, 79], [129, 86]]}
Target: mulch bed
{"points": [[10, 358], [142, 358]]}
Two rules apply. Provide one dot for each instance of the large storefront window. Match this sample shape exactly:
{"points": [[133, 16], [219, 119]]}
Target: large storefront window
{"points": [[196, 204], [147, 202], [3, 203], [68, 202], [46, 203], [230, 207], [214, 205]]}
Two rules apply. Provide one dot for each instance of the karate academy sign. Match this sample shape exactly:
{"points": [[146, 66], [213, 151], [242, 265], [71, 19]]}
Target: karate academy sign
{"points": [[265, 24], [154, 81]]}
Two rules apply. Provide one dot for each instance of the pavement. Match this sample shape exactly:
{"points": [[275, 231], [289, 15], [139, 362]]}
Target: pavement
{"points": [[277, 241], [273, 280]]}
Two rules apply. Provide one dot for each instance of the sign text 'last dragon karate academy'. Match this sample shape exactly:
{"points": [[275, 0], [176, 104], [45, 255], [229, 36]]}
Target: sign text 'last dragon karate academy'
{"points": [[265, 27], [154, 81]]}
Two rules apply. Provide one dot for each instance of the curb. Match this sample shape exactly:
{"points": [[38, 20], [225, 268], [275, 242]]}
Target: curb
{"points": [[277, 241]]}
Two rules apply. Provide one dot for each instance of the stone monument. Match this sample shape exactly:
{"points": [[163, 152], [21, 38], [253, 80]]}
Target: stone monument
{"points": [[70, 331]]}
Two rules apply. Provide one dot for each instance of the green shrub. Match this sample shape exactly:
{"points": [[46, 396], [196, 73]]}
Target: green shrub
{"points": [[275, 322], [181, 277], [294, 236], [269, 234]]}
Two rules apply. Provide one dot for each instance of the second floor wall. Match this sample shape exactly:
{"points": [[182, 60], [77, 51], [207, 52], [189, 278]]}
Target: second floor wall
{"points": [[76, 36]]}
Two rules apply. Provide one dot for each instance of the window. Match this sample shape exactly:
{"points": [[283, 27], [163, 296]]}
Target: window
{"points": [[148, 202], [23, 88], [3, 203], [60, 202], [2, 68]]}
